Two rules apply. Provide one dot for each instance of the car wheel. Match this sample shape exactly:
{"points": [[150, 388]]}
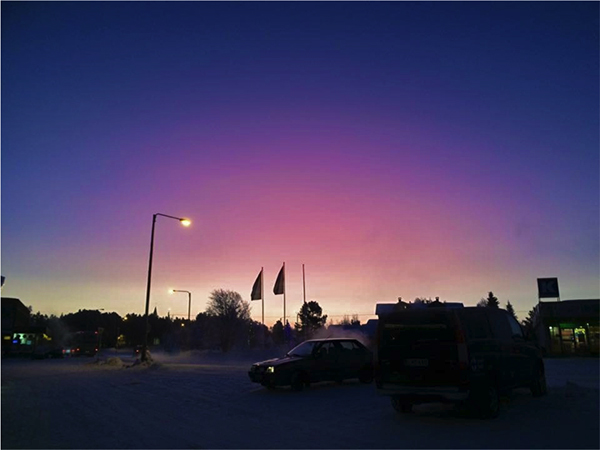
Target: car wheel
{"points": [[297, 381], [538, 385], [366, 375], [485, 402], [401, 406]]}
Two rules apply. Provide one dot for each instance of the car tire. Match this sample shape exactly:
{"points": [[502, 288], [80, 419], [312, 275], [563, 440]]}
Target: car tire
{"points": [[366, 375], [400, 406], [485, 401], [538, 385], [297, 381]]}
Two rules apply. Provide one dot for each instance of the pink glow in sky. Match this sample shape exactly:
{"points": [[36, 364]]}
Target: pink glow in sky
{"points": [[392, 151]]}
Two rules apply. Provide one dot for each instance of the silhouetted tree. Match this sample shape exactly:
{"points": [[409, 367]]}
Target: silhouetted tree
{"points": [[287, 333], [347, 321], [38, 319], [527, 324], [83, 320], [277, 331], [310, 319], [511, 310], [108, 324], [232, 313], [132, 327], [169, 333], [257, 334], [227, 304], [423, 300], [491, 301]]}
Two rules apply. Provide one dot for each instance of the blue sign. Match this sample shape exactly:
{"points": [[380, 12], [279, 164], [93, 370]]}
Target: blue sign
{"points": [[548, 288]]}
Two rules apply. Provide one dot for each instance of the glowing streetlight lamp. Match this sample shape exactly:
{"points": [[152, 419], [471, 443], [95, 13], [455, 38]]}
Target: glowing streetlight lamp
{"points": [[186, 223], [172, 291]]}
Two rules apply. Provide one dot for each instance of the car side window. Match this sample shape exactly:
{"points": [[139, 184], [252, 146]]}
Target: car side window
{"points": [[356, 347], [347, 345], [515, 328], [328, 350]]}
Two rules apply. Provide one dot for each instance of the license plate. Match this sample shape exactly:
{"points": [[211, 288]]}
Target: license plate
{"points": [[416, 362]]}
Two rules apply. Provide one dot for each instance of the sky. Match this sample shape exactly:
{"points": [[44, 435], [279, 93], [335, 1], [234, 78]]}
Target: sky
{"points": [[394, 148]]}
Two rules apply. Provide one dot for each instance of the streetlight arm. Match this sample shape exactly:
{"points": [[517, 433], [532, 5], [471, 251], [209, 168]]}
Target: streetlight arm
{"points": [[170, 217], [189, 300]]}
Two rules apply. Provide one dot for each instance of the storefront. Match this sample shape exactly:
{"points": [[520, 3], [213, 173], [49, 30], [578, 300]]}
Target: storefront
{"points": [[15, 319], [569, 327]]}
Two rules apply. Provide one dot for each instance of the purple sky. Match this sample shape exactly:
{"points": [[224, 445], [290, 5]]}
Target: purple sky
{"points": [[396, 149]]}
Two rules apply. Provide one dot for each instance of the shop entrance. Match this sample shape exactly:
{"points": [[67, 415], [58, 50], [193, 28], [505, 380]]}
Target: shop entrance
{"points": [[573, 339]]}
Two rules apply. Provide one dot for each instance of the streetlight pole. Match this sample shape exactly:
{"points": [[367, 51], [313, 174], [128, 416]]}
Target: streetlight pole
{"points": [[184, 222], [189, 298]]}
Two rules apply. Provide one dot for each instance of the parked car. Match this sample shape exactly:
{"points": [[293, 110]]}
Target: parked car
{"points": [[470, 354], [316, 360]]}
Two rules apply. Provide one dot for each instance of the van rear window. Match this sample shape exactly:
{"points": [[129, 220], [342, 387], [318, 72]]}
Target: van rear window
{"points": [[417, 327]]}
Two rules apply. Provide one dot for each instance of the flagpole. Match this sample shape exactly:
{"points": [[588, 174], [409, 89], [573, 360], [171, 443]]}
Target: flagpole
{"points": [[284, 318], [262, 294], [303, 284]]}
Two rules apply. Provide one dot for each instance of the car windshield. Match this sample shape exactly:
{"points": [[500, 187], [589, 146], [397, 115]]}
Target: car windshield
{"points": [[304, 349]]}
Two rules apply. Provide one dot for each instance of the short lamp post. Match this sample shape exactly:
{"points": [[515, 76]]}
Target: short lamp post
{"points": [[185, 223], [172, 291]]}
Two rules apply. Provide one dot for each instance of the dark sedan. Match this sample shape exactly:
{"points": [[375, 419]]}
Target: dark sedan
{"points": [[316, 360]]}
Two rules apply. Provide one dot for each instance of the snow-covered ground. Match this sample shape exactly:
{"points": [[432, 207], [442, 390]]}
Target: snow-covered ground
{"points": [[204, 400]]}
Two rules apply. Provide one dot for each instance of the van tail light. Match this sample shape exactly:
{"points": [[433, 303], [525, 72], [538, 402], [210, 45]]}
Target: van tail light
{"points": [[463, 354]]}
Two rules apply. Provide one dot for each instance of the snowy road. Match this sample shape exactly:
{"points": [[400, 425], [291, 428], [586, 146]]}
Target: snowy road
{"points": [[199, 403]]}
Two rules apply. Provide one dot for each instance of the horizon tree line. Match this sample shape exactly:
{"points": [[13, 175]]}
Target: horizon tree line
{"points": [[226, 323]]}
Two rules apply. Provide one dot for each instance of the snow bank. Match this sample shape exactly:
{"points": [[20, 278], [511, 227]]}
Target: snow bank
{"points": [[110, 362]]}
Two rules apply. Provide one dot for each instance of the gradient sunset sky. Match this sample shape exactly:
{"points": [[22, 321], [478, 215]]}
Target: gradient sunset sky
{"points": [[396, 149]]}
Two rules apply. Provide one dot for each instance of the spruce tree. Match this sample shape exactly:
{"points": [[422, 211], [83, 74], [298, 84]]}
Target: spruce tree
{"points": [[311, 318], [511, 310], [492, 301]]}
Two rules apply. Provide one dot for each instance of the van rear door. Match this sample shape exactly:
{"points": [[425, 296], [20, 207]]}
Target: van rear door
{"points": [[420, 348]]}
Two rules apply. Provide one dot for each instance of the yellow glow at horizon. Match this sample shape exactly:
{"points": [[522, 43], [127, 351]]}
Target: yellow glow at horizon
{"points": [[171, 291], [186, 222]]}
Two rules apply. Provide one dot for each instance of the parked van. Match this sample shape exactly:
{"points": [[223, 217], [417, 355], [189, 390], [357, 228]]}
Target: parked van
{"points": [[439, 354]]}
